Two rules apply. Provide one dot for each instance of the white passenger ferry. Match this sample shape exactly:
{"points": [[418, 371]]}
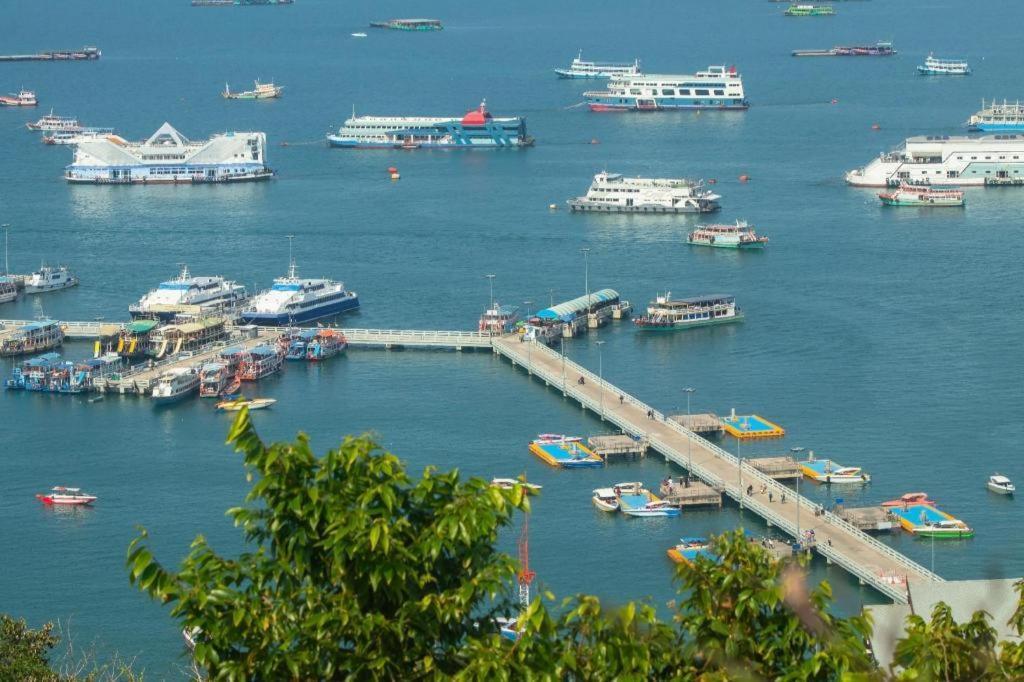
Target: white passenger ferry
{"points": [[48, 278], [169, 157], [176, 295], [590, 70], [944, 67], [993, 117], [740, 235], [615, 193], [292, 300], [666, 314], [947, 160], [719, 87]]}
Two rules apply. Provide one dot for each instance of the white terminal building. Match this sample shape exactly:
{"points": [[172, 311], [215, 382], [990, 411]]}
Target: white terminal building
{"points": [[169, 157]]}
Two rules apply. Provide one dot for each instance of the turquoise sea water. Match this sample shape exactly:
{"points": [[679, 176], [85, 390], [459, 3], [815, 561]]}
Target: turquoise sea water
{"points": [[886, 338]]}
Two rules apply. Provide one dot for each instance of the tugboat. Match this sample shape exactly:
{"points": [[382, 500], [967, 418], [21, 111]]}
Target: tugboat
{"points": [[175, 384], [260, 91], [25, 98], [59, 495], [47, 278], [738, 236]]}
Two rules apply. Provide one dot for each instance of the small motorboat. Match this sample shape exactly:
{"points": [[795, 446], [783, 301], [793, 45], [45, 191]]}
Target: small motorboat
{"points": [[59, 495], [954, 529], [606, 499], [238, 403], [510, 483], [359, 35], [654, 508], [909, 499], [1000, 484]]}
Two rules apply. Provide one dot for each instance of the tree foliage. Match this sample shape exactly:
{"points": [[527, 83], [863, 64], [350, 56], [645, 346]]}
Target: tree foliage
{"points": [[24, 652], [357, 571]]}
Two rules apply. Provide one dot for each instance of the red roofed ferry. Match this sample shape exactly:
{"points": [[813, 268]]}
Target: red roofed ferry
{"points": [[477, 129]]}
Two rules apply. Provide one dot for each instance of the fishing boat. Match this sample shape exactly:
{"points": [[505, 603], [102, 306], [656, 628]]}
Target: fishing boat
{"points": [[666, 313], [189, 294], [48, 278], [215, 378], [1001, 485], [914, 195], [944, 67], [831, 472], [8, 290], [252, 403], [498, 319], [566, 452], [34, 337], [175, 384], [615, 193], [689, 549], [605, 499], [259, 91], [591, 70], [60, 495], [259, 362], [511, 483], [738, 236], [24, 98], [809, 11], [636, 500], [908, 499], [52, 122]]}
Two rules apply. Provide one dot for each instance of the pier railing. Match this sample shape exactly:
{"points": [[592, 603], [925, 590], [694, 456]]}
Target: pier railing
{"points": [[417, 337], [734, 489]]}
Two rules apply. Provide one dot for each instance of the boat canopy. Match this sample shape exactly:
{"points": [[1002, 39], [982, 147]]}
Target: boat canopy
{"points": [[999, 480], [43, 360], [570, 309], [141, 326]]}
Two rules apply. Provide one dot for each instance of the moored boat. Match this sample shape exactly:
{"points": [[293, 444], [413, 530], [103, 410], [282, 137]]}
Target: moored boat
{"points": [[24, 98], [998, 118], [636, 500], [947, 161], [79, 136], [8, 289], [252, 403], [52, 122], [605, 499], [214, 379], [35, 337], [63, 496], [498, 319], [259, 362], [615, 193], [809, 11], [689, 549], [581, 68], [175, 384], [566, 452], [913, 195], [298, 341], [510, 483], [738, 236], [1001, 485], [944, 67], [326, 344], [48, 278], [830, 472], [259, 91], [666, 313], [189, 294], [718, 87]]}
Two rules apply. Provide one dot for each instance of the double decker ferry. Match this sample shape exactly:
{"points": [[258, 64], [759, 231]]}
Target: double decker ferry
{"points": [[186, 293], [478, 129], [35, 337], [947, 161], [52, 122], [292, 300], [591, 70], [944, 67], [738, 236], [718, 87], [1007, 117], [912, 195], [667, 314], [613, 192], [24, 98]]}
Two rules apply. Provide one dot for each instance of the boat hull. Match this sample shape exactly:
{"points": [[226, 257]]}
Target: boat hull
{"points": [[284, 320], [951, 203], [678, 326], [999, 490], [607, 107], [649, 513], [179, 180], [577, 206], [717, 244], [944, 533], [29, 289], [170, 399], [605, 506], [478, 143]]}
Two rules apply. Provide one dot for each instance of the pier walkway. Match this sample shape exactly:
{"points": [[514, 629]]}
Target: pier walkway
{"points": [[873, 562]]}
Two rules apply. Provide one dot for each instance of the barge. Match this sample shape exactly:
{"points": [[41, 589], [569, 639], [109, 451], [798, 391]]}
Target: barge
{"points": [[565, 452], [879, 49], [85, 54], [409, 24]]}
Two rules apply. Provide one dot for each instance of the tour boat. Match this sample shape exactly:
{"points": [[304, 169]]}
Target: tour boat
{"points": [[297, 343], [34, 337], [998, 118], [258, 362], [944, 67], [185, 293], [605, 499], [175, 384], [810, 11], [589, 70], [738, 236], [214, 379], [260, 91], [912, 195], [77, 136], [718, 87], [665, 314], [59, 495], [510, 483], [47, 278], [52, 122], [252, 403], [8, 290], [25, 98], [909, 499], [615, 193], [1000, 484], [326, 343], [830, 472], [498, 319], [292, 300]]}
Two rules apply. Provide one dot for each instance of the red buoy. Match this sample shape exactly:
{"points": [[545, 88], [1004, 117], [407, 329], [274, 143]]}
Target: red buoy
{"points": [[392, 169], [744, 178], [712, 181]]}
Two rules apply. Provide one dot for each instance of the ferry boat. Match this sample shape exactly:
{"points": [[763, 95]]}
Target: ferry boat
{"points": [[409, 24], [52, 122], [615, 193], [944, 67], [48, 278], [947, 160], [169, 157], [830, 472], [738, 236], [566, 452], [719, 87], [8, 289], [498, 319], [62, 496], [174, 385], [215, 378], [809, 11], [913, 195], [24, 98], [259, 91], [590, 70], [666, 313], [998, 118], [879, 49], [293, 301], [34, 374], [188, 334], [35, 337], [908, 499], [186, 293], [60, 137], [297, 342], [478, 129], [48, 373], [252, 403], [1001, 485], [260, 361], [326, 344]]}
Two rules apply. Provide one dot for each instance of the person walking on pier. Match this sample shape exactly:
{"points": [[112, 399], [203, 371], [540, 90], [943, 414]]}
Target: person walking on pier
{"points": [[770, 496], [622, 399]]}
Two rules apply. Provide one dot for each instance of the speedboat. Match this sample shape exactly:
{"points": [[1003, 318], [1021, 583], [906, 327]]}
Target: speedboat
{"points": [[1000, 484], [292, 300], [635, 500], [238, 403], [510, 483], [830, 472], [653, 508], [945, 529], [47, 278], [909, 499], [168, 299], [175, 384], [359, 35], [606, 500], [59, 495]]}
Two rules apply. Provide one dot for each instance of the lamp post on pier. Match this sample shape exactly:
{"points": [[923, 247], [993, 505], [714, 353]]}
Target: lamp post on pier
{"points": [[797, 451], [689, 439], [561, 342], [586, 275], [529, 349], [600, 374], [7, 229]]}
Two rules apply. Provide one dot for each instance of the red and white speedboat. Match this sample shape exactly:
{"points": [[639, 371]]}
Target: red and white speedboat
{"points": [[66, 496]]}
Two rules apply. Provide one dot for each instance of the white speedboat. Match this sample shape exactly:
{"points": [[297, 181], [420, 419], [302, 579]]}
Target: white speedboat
{"points": [[238, 403], [175, 384], [1000, 484], [606, 500], [47, 278], [510, 483], [653, 508]]}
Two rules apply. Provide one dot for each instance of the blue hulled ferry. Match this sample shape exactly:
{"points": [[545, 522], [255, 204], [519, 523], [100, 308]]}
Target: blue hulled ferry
{"points": [[292, 300]]}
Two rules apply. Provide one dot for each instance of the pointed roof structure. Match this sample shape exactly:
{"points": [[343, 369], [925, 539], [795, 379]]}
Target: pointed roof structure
{"points": [[166, 136]]}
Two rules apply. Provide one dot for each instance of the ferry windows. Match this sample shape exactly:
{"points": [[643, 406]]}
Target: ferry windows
{"points": [[684, 92], [668, 92], [701, 93], [951, 174], [634, 91], [719, 92]]}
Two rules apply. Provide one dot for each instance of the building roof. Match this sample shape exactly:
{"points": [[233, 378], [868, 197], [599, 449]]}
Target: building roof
{"points": [[570, 309]]}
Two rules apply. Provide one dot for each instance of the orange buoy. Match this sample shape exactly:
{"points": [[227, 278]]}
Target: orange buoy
{"points": [[744, 178], [875, 126]]}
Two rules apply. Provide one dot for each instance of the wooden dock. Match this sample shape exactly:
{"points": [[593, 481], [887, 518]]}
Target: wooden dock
{"points": [[869, 518], [779, 468], [618, 446], [703, 424], [684, 492]]}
